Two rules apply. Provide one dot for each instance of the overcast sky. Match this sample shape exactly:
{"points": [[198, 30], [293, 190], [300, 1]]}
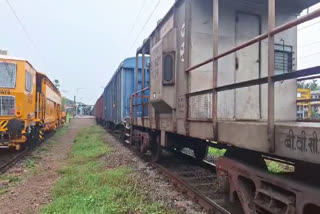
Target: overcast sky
{"points": [[82, 42], [309, 42], [79, 42]]}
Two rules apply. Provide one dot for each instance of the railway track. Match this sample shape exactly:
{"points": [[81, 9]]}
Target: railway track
{"points": [[195, 178], [9, 158]]}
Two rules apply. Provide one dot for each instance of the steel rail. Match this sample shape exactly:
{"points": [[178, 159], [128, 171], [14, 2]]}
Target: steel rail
{"points": [[204, 201], [6, 166], [201, 199]]}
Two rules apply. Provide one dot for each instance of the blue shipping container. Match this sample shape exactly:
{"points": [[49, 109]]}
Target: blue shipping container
{"points": [[120, 87]]}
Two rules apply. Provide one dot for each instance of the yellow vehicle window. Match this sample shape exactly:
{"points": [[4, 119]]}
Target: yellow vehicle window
{"points": [[8, 74], [28, 81]]}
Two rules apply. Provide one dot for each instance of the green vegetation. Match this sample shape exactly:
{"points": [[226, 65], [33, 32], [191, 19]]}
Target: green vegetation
{"points": [[273, 166], [31, 163], [66, 101], [86, 187], [61, 131], [5, 180], [43, 149], [313, 85], [11, 179], [216, 152], [276, 167], [69, 116]]}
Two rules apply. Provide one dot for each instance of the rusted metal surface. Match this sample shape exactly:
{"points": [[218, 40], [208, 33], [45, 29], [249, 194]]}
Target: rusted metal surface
{"points": [[271, 100], [196, 114], [143, 90], [187, 63], [142, 141], [98, 109], [260, 191], [215, 68]]}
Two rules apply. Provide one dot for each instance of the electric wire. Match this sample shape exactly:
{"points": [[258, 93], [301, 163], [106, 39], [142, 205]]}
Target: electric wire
{"points": [[23, 28], [306, 56], [305, 27], [138, 15], [309, 44], [145, 24]]}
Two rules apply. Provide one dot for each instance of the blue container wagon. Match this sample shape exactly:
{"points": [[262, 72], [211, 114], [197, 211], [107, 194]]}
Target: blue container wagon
{"points": [[120, 87]]}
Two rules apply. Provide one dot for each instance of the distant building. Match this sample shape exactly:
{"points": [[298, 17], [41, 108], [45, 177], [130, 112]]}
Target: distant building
{"points": [[304, 109], [3, 52], [315, 103]]}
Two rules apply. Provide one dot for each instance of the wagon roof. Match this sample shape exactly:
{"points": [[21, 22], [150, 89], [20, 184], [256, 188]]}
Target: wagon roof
{"points": [[6, 57], [298, 5], [51, 83], [126, 63], [38, 73]]}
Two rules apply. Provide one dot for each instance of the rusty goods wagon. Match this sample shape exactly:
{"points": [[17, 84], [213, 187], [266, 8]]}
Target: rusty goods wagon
{"points": [[98, 110], [224, 74], [30, 104], [124, 82]]}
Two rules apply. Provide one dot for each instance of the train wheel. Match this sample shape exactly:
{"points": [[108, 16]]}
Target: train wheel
{"points": [[137, 145], [156, 149], [200, 151]]}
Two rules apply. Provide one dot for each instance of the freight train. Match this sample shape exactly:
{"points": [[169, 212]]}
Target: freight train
{"points": [[112, 109], [224, 74], [30, 104]]}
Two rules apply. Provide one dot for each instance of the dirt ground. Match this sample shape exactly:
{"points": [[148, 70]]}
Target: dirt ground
{"points": [[34, 189]]}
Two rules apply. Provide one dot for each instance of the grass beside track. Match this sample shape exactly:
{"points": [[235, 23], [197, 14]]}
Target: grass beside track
{"points": [[273, 166], [86, 187]]}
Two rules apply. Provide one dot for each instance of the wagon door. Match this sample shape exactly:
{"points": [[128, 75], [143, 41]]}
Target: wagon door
{"points": [[247, 62]]}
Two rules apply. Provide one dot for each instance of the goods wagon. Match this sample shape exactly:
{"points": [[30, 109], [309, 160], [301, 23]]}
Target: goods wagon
{"points": [[117, 93], [30, 104], [219, 73], [98, 110]]}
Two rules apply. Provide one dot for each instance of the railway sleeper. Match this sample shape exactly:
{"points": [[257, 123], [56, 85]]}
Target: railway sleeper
{"points": [[259, 191]]}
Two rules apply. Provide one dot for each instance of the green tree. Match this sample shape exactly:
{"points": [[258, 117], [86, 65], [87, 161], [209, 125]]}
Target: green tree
{"points": [[57, 84], [312, 85]]}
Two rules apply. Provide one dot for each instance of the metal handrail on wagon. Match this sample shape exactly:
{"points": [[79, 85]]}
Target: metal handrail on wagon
{"points": [[270, 79], [134, 103]]}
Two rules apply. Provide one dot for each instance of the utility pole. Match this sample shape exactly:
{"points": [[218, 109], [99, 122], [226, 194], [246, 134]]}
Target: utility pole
{"points": [[75, 106], [77, 90]]}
